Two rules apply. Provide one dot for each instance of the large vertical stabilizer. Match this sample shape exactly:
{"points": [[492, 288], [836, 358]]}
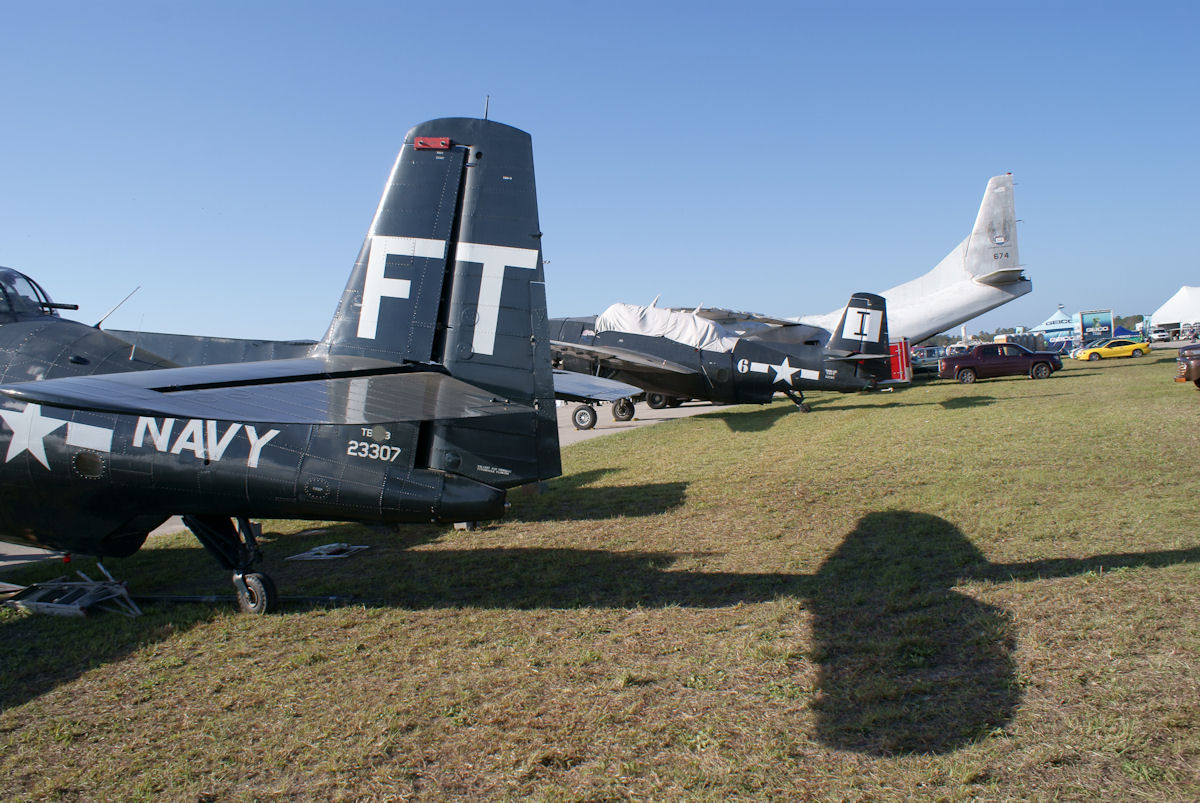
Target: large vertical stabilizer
{"points": [[980, 274], [451, 274]]}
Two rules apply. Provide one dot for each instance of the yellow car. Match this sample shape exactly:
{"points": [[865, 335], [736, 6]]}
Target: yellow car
{"points": [[1114, 347]]}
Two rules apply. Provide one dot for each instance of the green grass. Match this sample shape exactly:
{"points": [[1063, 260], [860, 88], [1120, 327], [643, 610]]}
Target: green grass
{"points": [[946, 592]]}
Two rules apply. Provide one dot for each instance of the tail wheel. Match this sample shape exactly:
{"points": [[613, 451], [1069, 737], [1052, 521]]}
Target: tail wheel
{"points": [[1040, 371], [583, 417], [256, 593], [622, 409], [966, 376]]}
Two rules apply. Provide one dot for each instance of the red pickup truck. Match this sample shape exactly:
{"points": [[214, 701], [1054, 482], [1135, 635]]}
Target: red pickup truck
{"points": [[998, 359]]}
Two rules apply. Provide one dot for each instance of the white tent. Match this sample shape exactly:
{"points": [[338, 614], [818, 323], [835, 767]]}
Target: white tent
{"points": [[1059, 321], [1181, 308]]}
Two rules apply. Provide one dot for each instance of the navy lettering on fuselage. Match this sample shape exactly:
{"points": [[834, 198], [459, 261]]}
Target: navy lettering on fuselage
{"points": [[201, 437]]}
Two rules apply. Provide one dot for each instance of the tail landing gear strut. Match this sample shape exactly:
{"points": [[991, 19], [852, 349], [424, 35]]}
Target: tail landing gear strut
{"points": [[237, 550], [798, 397]]}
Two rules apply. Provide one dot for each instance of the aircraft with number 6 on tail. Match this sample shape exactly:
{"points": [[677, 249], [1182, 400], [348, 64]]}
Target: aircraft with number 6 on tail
{"points": [[678, 354]]}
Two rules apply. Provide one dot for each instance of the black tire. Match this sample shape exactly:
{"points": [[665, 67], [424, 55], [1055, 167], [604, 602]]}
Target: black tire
{"points": [[1136, 353], [260, 596], [583, 417], [1040, 370], [656, 401], [623, 409], [1095, 355], [966, 376]]}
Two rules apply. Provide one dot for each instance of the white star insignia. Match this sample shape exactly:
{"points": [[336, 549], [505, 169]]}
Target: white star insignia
{"points": [[784, 371], [29, 428]]}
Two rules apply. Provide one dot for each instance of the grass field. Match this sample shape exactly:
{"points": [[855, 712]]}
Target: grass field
{"points": [[946, 592]]}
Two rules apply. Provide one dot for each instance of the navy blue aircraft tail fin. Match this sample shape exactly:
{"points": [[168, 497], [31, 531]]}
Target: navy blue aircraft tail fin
{"points": [[862, 330], [450, 275]]}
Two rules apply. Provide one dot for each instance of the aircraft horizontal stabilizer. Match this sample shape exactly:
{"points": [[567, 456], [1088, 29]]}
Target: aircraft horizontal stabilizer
{"points": [[378, 394], [998, 278]]}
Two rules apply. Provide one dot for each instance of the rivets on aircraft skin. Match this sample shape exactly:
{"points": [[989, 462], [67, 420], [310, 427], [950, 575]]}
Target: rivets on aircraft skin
{"points": [[88, 465], [316, 490]]}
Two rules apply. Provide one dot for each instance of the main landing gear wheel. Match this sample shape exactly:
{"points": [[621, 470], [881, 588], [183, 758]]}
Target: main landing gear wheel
{"points": [[256, 593], [656, 401], [236, 548], [583, 417], [622, 409]]}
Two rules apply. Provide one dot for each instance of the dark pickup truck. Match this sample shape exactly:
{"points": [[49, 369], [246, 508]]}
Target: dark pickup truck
{"points": [[998, 359]]}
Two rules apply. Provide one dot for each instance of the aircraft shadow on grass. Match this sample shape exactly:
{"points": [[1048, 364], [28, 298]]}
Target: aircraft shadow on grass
{"points": [[753, 420], [957, 403], [574, 497], [906, 664]]}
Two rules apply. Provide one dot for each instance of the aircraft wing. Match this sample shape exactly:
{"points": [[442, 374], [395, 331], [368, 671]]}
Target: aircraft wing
{"points": [[197, 350], [572, 386], [333, 390], [618, 358]]}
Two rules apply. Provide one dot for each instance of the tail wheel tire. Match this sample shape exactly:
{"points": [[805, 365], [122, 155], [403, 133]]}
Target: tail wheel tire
{"points": [[966, 376], [260, 595], [583, 417]]}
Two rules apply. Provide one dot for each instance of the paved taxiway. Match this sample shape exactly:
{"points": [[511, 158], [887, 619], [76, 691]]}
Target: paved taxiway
{"points": [[12, 555]]}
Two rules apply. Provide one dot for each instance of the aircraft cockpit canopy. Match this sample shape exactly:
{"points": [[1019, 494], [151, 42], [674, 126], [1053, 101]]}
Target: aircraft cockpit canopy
{"points": [[21, 298]]}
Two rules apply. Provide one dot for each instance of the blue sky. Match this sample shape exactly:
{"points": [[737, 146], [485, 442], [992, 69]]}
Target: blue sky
{"points": [[773, 157]]}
